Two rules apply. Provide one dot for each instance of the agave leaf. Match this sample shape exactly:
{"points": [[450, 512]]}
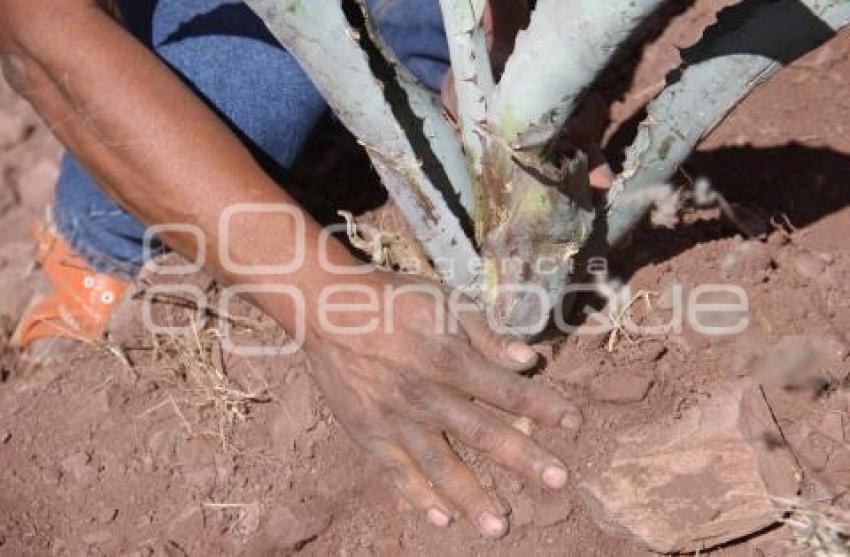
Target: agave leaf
{"points": [[473, 75], [318, 34], [441, 136], [567, 44], [749, 43]]}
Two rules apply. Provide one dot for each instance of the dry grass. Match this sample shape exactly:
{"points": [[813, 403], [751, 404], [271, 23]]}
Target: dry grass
{"points": [[195, 358], [818, 529], [618, 327]]}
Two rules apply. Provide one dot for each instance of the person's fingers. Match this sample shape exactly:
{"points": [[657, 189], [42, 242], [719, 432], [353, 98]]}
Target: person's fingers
{"points": [[411, 483], [501, 349], [451, 477], [485, 432], [513, 393]]}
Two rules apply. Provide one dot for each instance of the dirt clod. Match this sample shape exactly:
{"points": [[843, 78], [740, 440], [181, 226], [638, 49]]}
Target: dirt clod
{"points": [[750, 260], [79, 467], [292, 526], [620, 387]]}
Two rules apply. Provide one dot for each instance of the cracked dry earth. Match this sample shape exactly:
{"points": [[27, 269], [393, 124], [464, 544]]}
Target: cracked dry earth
{"points": [[162, 446]]}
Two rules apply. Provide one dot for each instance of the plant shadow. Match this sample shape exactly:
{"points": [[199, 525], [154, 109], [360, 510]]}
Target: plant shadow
{"points": [[793, 184]]}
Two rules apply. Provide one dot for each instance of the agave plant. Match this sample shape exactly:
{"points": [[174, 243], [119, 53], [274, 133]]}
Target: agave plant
{"points": [[498, 205]]}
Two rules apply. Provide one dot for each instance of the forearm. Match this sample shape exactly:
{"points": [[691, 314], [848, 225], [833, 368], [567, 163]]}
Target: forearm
{"points": [[155, 147]]}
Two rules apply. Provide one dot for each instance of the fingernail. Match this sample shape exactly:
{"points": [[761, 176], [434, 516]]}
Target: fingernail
{"points": [[492, 526], [438, 518], [521, 353], [554, 477], [572, 420]]}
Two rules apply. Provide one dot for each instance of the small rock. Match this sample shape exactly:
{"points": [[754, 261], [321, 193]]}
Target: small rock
{"points": [[572, 368], [578, 376], [750, 261], [97, 537], [620, 387], [78, 466], [292, 526], [551, 511], [704, 480], [106, 515], [296, 414], [51, 476], [807, 265]]}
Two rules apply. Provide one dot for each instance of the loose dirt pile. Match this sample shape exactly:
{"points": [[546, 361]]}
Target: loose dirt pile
{"points": [[151, 445]]}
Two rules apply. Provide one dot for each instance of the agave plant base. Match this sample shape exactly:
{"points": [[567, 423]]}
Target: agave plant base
{"points": [[535, 218]]}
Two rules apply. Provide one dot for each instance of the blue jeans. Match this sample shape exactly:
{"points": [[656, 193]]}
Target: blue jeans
{"points": [[218, 47]]}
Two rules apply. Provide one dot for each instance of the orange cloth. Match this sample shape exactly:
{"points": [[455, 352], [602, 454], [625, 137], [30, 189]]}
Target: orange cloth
{"points": [[80, 302]]}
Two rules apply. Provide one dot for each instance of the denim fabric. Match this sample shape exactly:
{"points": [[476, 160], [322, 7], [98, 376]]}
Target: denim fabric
{"points": [[223, 51]]}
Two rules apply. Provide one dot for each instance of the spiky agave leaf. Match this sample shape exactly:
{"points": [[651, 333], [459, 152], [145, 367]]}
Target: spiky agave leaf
{"points": [[567, 44], [318, 34], [473, 75], [441, 136], [748, 44]]}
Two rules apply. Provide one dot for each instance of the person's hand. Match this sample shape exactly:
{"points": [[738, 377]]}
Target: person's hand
{"points": [[399, 390]]}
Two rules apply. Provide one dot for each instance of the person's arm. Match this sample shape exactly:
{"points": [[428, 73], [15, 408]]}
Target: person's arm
{"points": [[148, 140], [166, 158]]}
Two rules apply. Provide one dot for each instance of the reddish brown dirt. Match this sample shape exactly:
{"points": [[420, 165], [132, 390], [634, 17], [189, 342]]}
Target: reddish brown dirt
{"points": [[99, 457]]}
